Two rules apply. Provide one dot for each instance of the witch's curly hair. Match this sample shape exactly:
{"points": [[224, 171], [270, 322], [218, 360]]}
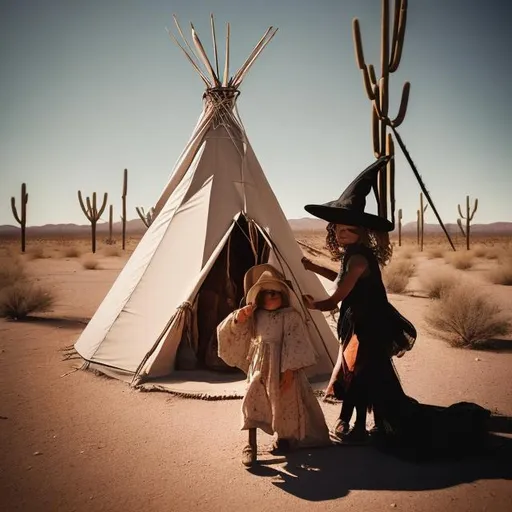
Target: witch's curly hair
{"points": [[377, 241]]}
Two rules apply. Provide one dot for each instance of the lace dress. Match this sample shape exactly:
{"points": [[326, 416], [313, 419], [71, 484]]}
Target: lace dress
{"points": [[264, 347]]}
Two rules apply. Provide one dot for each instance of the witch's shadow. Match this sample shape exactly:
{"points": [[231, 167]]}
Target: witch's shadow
{"points": [[331, 473]]}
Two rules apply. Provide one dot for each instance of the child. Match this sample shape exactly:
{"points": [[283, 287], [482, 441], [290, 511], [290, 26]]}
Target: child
{"points": [[369, 328], [372, 331], [268, 340]]}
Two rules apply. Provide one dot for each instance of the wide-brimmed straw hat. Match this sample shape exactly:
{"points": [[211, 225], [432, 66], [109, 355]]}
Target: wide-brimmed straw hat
{"points": [[349, 207], [267, 281]]}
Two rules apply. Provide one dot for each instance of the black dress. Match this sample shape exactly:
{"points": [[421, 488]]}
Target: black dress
{"points": [[407, 428]]}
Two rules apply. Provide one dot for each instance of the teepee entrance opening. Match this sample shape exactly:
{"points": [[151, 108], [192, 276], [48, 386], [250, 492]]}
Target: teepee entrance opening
{"points": [[221, 293]]}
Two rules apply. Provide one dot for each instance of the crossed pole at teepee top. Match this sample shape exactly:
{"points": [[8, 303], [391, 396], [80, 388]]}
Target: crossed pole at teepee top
{"points": [[202, 64]]}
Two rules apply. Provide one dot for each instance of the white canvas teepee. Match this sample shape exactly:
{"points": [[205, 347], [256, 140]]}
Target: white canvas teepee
{"points": [[216, 217]]}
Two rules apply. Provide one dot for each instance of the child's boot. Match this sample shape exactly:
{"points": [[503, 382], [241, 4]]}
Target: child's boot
{"points": [[250, 450]]}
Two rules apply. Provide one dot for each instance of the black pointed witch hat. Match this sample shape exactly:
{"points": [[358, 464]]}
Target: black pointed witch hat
{"points": [[349, 208]]}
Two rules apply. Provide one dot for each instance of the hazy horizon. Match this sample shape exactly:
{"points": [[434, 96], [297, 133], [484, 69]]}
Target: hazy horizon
{"points": [[93, 88]]}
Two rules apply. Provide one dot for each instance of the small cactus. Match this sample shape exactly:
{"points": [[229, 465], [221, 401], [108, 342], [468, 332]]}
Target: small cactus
{"points": [[21, 220], [146, 218], [468, 218], [421, 212], [92, 213], [110, 223], [400, 227], [123, 218]]}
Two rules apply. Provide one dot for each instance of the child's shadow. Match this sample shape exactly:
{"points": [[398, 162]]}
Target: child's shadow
{"points": [[329, 473]]}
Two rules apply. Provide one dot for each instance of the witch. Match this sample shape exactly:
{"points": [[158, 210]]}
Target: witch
{"points": [[372, 332]]}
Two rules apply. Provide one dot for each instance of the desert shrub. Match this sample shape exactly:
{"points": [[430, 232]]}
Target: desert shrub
{"points": [[437, 283], [90, 263], [465, 317], [407, 253], [71, 252], [401, 266], [396, 275], [35, 253], [461, 259], [502, 274], [111, 251], [20, 299], [435, 253], [493, 253], [11, 271], [480, 251]]}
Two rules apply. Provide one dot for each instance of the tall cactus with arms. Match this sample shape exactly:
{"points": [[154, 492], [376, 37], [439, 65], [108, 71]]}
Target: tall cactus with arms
{"points": [[21, 220], [92, 213], [468, 218], [377, 90]]}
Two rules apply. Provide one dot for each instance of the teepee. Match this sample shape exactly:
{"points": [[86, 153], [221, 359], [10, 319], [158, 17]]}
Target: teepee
{"points": [[216, 217]]}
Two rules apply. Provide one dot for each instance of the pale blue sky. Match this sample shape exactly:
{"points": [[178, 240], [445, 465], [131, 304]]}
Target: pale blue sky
{"points": [[88, 88]]}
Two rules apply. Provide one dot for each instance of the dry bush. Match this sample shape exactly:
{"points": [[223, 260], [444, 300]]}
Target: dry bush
{"points": [[494, 253], [437, 252], [467, 318], [111, 251], [396, 275], [502, 274], [407, 253], [437, 283], [11, 271], [71, 252], [480, 251], [460, 259], [18, 300], [405, 267], [35, 253], [90, 263]]}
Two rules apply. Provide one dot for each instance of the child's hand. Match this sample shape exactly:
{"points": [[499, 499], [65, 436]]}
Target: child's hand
{"points": [[243, 314], [329, 391], [286, 380], [308, 301]]}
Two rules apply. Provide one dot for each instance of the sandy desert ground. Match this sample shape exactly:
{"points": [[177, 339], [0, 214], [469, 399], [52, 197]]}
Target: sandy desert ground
{"points": [[74, 441]]}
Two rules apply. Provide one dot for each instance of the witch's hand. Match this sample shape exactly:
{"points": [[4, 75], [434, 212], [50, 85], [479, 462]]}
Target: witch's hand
{"points": [[307, 263], [309, 301]]}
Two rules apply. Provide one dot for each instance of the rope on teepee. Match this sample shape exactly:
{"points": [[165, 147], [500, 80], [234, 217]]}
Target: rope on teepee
{"points": [[176, 315]]}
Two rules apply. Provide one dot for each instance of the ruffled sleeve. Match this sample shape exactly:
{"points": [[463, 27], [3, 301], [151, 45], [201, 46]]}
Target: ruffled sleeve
{"points": [[234, 342], [297, 351]]}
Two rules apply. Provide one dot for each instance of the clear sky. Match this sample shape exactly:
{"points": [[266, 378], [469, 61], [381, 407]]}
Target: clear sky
{"points": [[88, 88]]}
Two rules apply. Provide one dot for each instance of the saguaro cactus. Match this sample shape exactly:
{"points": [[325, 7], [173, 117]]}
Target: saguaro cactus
{"points": [[21, 220], [92, 213], [146, 218], [377, 90], [110, 223], [468, 218], [400, 227], [421, 211], [123, 218]]}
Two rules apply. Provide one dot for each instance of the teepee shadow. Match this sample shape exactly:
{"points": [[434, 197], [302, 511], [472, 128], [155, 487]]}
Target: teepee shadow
{"points": [[330, 473], [59, 322]]}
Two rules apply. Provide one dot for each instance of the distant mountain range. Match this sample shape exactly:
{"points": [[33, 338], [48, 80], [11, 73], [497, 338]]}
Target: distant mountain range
{"points": [[136, 227]]}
